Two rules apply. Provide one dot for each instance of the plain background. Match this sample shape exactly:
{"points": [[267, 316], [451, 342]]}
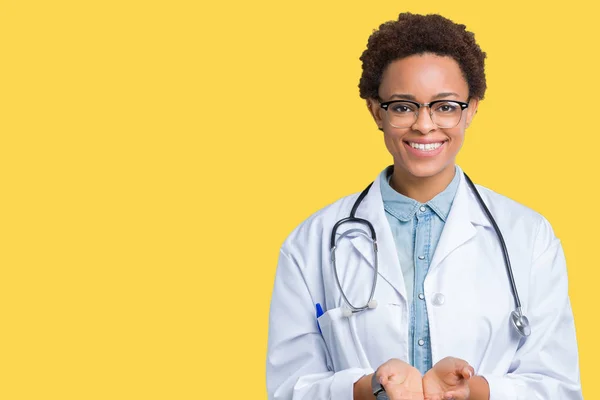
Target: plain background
{"points": [[154, 155]]}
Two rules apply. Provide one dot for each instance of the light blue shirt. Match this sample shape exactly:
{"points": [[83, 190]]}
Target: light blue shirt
{"points": [[417, 228]]}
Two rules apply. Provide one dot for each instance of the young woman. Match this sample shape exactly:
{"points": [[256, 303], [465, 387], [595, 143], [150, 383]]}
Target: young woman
{"points": [[430, 287]]}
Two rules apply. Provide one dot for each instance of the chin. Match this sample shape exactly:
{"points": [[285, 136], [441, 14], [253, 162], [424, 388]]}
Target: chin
{"points": [[426, 170]]}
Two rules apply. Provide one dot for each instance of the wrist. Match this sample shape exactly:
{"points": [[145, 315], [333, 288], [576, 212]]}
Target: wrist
{"points": [[362, 388], [377, 388]]}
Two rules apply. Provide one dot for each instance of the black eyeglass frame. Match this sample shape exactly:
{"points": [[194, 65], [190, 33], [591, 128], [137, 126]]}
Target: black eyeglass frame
{"points": [[386, 104]]}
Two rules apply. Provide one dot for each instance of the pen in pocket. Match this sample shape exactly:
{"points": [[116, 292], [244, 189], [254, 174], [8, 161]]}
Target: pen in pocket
{"points": [[319, 313]]}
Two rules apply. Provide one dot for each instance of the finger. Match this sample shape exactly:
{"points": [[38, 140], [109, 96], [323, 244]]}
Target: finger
{"points": [[383, 376], [383, 380], [433, 396], [462, 368], [468, 372]]}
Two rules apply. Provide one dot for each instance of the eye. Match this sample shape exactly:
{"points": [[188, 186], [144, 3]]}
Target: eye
{"points": [[402, 108], [446, 108]]}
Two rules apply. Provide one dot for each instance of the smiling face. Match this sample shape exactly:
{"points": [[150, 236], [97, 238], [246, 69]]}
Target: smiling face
{"points": [[423, 151]]}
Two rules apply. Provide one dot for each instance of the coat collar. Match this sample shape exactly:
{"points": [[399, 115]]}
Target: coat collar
{"points": [[459, 229]]}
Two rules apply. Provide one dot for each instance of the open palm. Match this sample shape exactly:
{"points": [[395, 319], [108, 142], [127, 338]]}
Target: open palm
{"points": [[400, 380], [448, 379]]}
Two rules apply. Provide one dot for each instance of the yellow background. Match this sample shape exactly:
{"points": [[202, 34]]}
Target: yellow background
{"points": [[155, 154]]}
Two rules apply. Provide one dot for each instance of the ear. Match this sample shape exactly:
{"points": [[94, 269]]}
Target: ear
{"points": [[472, 110], [376, 112]]}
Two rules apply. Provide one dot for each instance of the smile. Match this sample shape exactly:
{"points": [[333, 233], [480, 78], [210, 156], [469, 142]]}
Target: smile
{"points": [[425, 150], [425, 147]]}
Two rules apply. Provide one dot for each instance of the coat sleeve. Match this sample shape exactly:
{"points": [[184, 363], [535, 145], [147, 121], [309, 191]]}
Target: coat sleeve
{"points": [[298, 365], [546, 365]]}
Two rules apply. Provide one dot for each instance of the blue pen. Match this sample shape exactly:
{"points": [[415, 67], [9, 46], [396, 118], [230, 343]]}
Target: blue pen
{"points": [[319, 313]]}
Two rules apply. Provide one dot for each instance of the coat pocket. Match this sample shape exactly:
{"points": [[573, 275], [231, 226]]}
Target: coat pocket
{"points": [[339, 338], [366, 339]]}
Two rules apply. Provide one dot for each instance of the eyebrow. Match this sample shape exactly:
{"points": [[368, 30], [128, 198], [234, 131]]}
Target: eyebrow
{"points": [[413, 98]]}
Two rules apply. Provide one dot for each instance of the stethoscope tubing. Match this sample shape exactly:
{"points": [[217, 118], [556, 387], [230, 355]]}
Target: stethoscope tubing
{"points": [[509, 270], [519, 320]]}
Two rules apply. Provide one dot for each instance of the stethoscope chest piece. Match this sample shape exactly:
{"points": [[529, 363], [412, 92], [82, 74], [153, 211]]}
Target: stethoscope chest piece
{"points": [[521, 323]]}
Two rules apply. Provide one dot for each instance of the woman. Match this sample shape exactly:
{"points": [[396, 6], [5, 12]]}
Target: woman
{"points": [[442, 320]]}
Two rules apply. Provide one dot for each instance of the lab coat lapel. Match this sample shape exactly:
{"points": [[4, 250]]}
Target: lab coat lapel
{"points": [[458, 228], [372, 210]]}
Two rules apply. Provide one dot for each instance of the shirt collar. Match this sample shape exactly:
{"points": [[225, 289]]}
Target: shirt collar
{"points": [[404, 208]]}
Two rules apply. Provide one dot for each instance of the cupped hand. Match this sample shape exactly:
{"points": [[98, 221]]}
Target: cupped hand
{"points": [[400, 380], [448, 379]]}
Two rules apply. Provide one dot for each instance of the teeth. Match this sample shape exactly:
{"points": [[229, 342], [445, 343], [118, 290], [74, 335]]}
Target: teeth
{"points": [[425, 147]]}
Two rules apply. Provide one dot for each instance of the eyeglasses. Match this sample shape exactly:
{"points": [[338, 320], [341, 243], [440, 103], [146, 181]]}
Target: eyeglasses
{"points": [[404, 113]]}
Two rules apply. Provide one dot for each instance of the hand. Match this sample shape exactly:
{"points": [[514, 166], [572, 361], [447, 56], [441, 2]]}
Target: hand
{"points": [[400, 380], [448, 379]]}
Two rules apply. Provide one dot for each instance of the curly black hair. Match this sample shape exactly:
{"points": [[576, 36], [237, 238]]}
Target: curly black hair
{"points": [[417, 34]]}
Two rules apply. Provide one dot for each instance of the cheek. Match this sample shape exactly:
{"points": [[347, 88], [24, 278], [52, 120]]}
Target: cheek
{"points": [[457, 133], [457, 138], [393, 140]]}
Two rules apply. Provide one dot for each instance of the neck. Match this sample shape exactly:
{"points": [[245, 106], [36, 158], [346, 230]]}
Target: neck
{"points": [[421, 189]]}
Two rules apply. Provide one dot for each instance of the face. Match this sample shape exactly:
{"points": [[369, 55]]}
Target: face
{"points": [[423, 78]]}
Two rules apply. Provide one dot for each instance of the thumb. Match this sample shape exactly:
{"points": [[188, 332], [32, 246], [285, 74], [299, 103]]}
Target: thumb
{"points": [[463, 369], [467, 372], [382, 375]]}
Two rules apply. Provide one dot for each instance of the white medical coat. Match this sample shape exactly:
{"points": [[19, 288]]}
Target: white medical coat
{"points": [[467, 293]]}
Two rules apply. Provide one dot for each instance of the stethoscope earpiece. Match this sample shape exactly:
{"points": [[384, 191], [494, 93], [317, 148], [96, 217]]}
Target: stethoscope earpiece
{"points": [[347, 312]]}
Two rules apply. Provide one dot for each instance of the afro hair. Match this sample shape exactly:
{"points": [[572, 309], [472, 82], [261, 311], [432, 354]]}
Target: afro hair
{"points": [[418, 34]]}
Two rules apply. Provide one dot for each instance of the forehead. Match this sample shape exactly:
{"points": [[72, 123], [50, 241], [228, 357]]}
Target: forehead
{"points": [[423, 76]]}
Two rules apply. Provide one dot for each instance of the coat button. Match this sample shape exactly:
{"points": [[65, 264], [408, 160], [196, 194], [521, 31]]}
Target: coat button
{"points": [[421, 342], [422, 208], [438, 299], [421, 257], [421, 296]]}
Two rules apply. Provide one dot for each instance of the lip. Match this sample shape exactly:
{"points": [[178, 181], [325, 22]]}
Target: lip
{"points": [[425, 154], [423, 141]]}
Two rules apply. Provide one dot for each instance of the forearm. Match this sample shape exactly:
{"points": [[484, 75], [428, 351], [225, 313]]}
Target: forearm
{"points": [[479, 387], [363, 389]]}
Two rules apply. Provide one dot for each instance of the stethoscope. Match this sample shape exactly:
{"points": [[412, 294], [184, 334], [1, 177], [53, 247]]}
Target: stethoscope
{"points": [[518, 319]]}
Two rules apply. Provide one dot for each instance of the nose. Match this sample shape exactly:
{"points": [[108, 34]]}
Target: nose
{"points": [[424, 123]]}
